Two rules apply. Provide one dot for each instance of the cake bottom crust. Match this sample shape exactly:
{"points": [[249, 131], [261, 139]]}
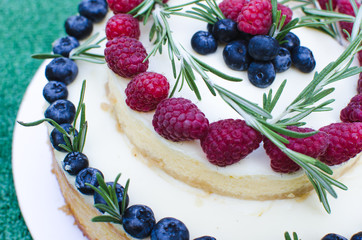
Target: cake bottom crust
{"points": [[195, 173]]}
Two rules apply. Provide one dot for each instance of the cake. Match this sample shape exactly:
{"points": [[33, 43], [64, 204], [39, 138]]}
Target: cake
{"points": [[246, 199]]}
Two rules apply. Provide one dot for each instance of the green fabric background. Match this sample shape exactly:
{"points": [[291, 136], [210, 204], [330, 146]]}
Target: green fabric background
{"points": [[26, 27]]}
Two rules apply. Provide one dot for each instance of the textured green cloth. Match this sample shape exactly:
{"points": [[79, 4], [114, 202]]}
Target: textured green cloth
{"points": [[26, 27]]}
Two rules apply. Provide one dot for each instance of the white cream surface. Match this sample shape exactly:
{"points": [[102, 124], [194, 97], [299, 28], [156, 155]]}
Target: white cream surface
{"points": [[210, 214]]}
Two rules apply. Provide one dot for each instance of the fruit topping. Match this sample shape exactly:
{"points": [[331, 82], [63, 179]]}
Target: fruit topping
{"points": [[345, 142], [333, 236], [263, 48], [236, 55], [74, 162], [61, 111], [345, 7], [225, 30], [228, 141], [203, 43], [232, 8], [94, 10], [98, 199], [170, 228], [357, 236], [285, 11], [353, 111], [290, 41], [125, 56], [87, 176], [261, 74], [57, 138], [359, 84], [326, 4], [123, 6], [55, 90], [61, 70], [178, 119], [78, 26], [205, 238], [312, 146], [138, 221], [122, 25], [146, 90], [64, 45], [303, 59], [283, 61]]}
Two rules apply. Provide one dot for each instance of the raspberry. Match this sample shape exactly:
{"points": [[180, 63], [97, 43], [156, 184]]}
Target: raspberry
{"points": [[345, 6], [125, 56], [285, 11], [231, 8], [255, 17], [345, 142], [146, 90], [122, 25], [229, 141], [353, 111], [324, 3], [123, 6], [359, 84], [178, 119], [312, 146]]}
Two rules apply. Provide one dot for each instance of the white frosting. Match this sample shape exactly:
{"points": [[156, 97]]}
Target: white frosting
{"points": [[209, 214]]}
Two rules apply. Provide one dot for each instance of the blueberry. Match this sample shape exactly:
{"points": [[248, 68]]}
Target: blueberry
{"points": [[225, 30], [263, 48], [170, 229], [55, 90], [205, 238], [282, 61], [303, 59], [290, 41], [357, 236], [261, 74], [57, 138], [203, 42], [209, 27], [61, 70], [87, 175], [95, 10], [78, 26], [74, 162], [65, 45], [236, 55], [61, 111], [333, 236], [138, 221], [98, 199]]}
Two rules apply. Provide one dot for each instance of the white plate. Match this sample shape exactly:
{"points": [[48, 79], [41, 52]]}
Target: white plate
{"points": [[39, 196]]}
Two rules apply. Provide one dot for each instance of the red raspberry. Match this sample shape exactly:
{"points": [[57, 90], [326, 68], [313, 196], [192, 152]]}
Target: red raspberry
{"points": [[312, 146], [229, 141], [324, 3], [287, 12], [178, 119], [359, 84], [353, 111], [146, 90], [123, 6], [122, 25], [125, 56], [231, 8], [345, 142], [255, 17], [345, 6]]}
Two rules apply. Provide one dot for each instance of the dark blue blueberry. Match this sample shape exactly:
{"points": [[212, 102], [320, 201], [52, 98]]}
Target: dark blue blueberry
{"points": [[357, 236], [65, 45], [55, 90], [210, 26], [170, 229], [205, 238], [138, 221], [303, 59], [236, 55], [290, 41], [78, 26], [61, 111], [57, 138], [98, 199], [333, 236], [61, 70], [203, 42], [282, 61], [87, 175], [74, 162], [261, 74], [225, 30], [95, 10], [263, 48]]}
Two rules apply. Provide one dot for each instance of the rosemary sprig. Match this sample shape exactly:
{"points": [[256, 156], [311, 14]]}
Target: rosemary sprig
{"points": [[113, 212], [79, 53], [74, 142], [288, 237]]}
